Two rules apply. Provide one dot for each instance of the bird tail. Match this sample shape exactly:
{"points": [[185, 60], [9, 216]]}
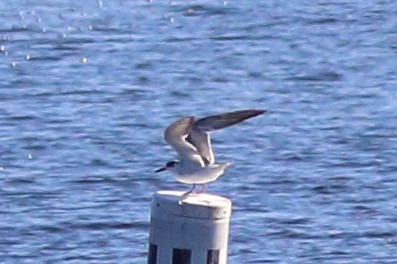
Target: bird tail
{"points": [[227, 164]]}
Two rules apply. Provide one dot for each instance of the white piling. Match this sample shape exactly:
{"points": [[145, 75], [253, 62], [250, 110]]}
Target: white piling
{"points": [[190, 230]]}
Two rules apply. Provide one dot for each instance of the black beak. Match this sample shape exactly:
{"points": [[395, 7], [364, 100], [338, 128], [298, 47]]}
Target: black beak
{"points": [[160, 170]]}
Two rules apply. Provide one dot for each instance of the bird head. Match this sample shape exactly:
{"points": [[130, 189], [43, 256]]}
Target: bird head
{"points": [[168, 166]]}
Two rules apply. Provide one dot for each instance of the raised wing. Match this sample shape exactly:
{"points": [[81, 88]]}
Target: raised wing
{"points": [[175, 135], [215, 122], [199, 135], [201, 140]]}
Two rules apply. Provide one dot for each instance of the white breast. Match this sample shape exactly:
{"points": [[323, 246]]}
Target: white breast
{"points": [[202, 175]]}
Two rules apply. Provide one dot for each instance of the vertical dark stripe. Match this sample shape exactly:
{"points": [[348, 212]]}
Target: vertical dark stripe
{"points": [[152, 258], [181, 256], [213, 256]]}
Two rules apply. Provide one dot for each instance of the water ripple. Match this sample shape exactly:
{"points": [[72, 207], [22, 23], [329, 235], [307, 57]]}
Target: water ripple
{"points": [[87, 89]]}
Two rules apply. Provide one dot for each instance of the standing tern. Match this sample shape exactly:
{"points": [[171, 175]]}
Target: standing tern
{"points": [[191, 140]]}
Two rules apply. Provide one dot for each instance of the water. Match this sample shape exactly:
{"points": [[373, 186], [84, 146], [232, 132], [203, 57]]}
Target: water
{"points": [[86, 89]]}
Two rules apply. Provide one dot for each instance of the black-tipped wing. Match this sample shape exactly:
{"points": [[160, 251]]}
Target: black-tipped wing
{"points": [[199, 133], [215, 122]]}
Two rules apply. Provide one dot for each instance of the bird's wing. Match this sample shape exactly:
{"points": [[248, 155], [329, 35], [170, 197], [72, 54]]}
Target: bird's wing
{"points": [[201, 140], [199, 134], [175, 135], [215, 122]]}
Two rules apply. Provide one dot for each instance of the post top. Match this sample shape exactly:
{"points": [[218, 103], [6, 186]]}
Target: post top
{"points": [[204, 205]]}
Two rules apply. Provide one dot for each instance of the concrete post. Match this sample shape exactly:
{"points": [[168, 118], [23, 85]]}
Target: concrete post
{"points": [[189, 230]]}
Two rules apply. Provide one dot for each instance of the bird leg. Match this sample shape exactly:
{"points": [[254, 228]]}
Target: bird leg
{"points": [[203, 188], [190, 191]]}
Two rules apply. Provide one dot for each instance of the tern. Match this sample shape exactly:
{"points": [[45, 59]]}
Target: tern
{"points": [[191, 140]]}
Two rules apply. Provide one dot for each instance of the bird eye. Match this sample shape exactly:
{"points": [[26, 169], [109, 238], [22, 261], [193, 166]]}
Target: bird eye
{"points": [[170, 164]]}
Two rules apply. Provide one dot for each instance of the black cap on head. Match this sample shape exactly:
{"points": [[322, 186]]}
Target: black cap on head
{"points": [[170, 164]]}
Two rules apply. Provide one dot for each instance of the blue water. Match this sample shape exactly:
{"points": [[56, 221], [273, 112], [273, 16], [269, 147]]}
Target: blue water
{"points": [[87, 87]]}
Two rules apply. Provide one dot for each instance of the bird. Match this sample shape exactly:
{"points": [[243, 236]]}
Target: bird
{"points": [[190, 138]]}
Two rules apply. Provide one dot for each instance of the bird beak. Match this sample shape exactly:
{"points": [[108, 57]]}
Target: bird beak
{"points": [[160, 170]]}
